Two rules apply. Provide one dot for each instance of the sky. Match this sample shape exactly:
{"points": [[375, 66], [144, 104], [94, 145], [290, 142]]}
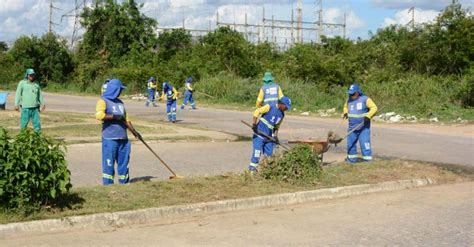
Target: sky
{"points": [[31, 17]]}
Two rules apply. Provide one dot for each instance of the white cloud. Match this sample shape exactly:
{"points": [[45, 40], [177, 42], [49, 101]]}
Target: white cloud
{"points": [[336, 15], [8, 6], [231, 13], [421, 4], [402, 17], [10, 25]]}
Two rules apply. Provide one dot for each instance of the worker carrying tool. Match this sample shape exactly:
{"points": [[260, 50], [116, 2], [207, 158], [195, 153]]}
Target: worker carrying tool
{"points": [[171, 95], [151, 88], [270, 92], [271, 117], [115, 122], [359, 110], [188, 94]]}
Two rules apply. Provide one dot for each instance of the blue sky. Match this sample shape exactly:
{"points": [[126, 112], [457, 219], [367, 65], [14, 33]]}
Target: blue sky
{"points": [[30, 17]]}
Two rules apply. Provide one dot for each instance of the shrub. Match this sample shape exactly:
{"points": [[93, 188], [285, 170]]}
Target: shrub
{"points": [[33, 170], [300, 165]]}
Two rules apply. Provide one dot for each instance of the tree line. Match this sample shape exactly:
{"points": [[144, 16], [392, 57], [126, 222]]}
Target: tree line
{"points": [[120, 41]]}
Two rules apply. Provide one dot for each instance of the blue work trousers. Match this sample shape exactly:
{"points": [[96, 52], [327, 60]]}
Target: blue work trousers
{"points": [[260, 145], [115, 151], [363, 136], [171, 110], [188, 97], [151, 97]]}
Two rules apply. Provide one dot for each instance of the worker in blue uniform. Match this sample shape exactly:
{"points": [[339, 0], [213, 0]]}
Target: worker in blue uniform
{"points": [[270, 92], [171, 95], [188, 95], [270, 120], [359, 109], [115, 144], [151, 88]]}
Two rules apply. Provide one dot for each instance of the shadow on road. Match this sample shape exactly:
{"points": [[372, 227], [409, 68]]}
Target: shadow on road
{"points": [[142, 179]]}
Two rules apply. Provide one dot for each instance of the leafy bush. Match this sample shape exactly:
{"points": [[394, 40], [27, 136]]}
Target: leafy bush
{"points": [[299, 165], [33, 170]]}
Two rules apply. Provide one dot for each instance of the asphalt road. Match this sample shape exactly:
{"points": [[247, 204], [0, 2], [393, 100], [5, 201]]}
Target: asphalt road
{"points": [[429, 216], [443, 144]]}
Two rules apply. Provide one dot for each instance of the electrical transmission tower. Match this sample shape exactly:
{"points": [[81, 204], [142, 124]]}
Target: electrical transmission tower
{"points": [[51, 23], [76, 14], [282, 33], [412, 21]]}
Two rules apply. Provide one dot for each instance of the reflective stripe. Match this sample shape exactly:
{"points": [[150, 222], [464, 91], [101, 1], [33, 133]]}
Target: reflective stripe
{"points": [[123, 177], [104, 175], [266, 123], [253, 164], [357, 115], [367, 157], [352, 156], [270, 99]]}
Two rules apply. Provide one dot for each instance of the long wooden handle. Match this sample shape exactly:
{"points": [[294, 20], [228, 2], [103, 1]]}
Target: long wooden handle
{"points": [[266, 136], [149, 148]]}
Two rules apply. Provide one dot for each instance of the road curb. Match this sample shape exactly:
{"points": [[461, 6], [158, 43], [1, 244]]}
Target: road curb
{"points": [[119, 219]]}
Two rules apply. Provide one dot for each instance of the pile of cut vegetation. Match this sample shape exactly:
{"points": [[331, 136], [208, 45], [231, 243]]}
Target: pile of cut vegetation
{"points": [[300, 165]]}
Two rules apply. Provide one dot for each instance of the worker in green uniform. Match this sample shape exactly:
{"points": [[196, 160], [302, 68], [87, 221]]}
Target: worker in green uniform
{"points": [[29, 100]]}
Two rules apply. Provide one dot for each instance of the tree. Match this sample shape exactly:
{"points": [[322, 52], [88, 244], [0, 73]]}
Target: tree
{"points": [[113, 30], [451, 41], [3, 46], [171, 42], [48, 55], [231, 52]]}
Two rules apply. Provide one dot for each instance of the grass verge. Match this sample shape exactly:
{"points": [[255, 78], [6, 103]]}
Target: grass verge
{"points": [[139, 195], [75, 126]]}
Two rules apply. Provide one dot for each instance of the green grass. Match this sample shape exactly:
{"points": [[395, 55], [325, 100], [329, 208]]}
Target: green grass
{"points": [[417, 95], [204, 189], [75, 125]]}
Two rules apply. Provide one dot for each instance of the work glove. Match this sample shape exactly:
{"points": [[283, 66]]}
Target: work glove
{"points": [[254, 128], [366, 120], [345, 116], [119, 118]]}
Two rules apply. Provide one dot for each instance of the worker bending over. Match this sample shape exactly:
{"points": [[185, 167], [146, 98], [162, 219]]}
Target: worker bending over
{"points": [[271, 117]]}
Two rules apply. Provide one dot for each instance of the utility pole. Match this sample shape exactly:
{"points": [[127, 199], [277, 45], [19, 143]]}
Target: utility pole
{"points": [[320, 19], [182, 15], [51, 23], [264, 35], [292, 41], [273, 28], [344, 25], [412, 21], [50, 26], [299, 20]]}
